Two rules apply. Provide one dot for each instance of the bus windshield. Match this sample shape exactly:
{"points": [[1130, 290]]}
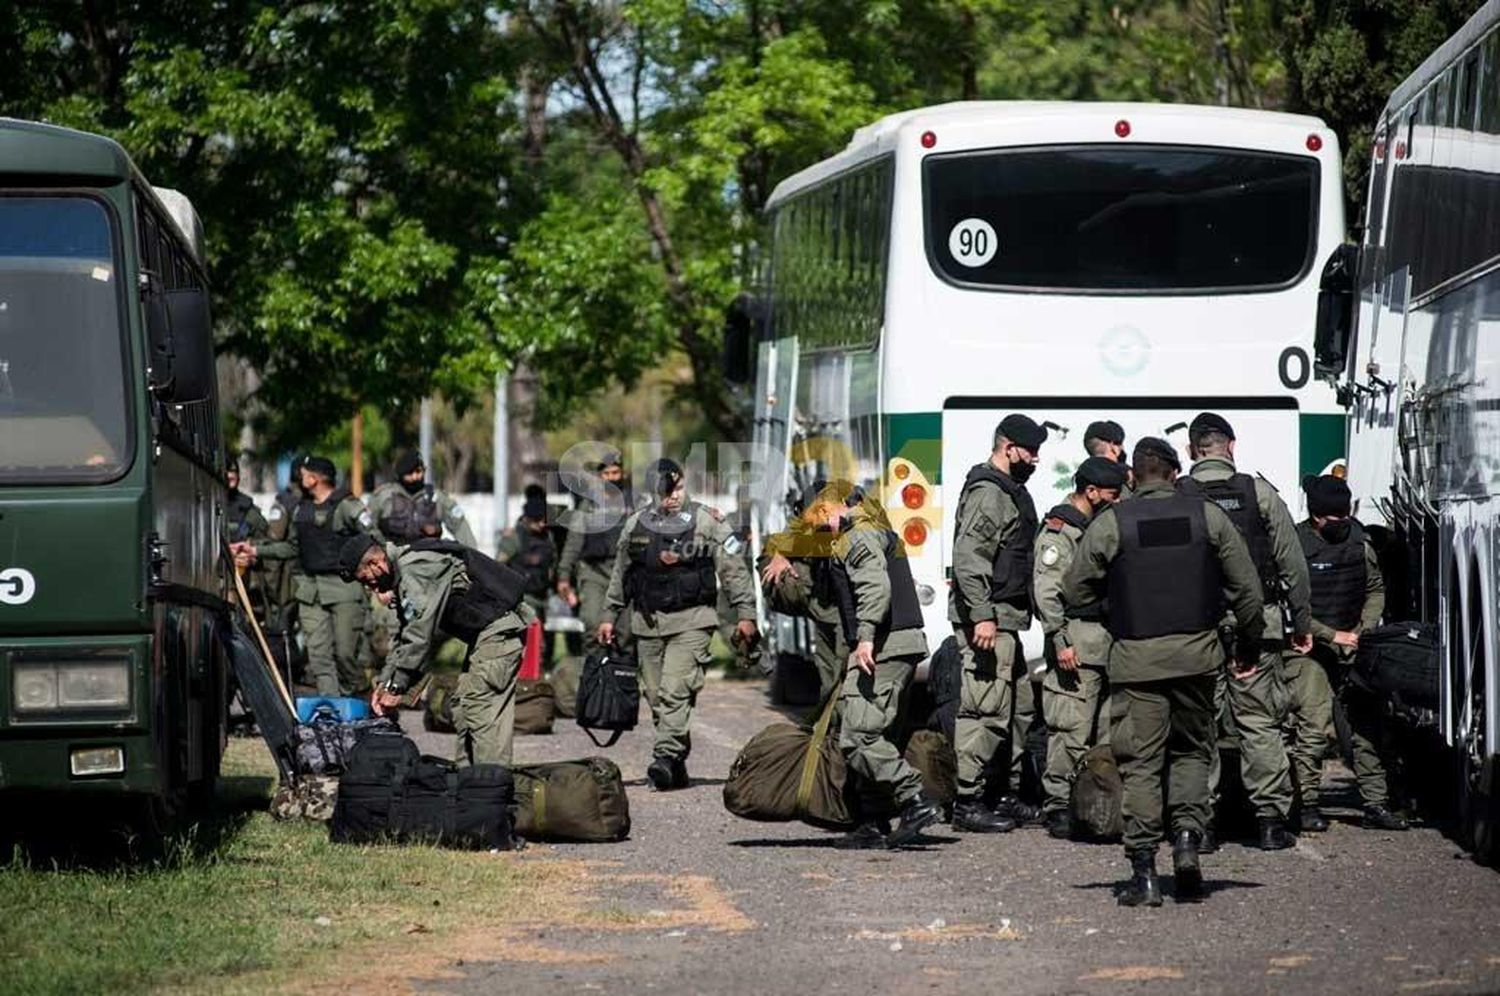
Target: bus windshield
{"points": [[63, 413], [1143, 219]]}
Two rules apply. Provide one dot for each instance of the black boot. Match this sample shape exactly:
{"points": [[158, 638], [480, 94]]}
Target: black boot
{"points": [[1312, 821], [973, 816], [1143, 889], [870, 835], [1185, 870], [1381, 818], [661, 773], [1273, 835], [916, 816], [1060, 824], [1209, 842], [679, 773], [1025, 814]]}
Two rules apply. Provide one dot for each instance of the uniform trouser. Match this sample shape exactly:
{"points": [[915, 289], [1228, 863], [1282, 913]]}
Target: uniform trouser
{"points": [[1310, 715], [591, 593], [1162, 730], [1365, 713], [983, 726], [1257, 706], [485, 717], [1070, 705], [332, 633], [672, 670], [1025, 703], [869, 724], [830, 658]]}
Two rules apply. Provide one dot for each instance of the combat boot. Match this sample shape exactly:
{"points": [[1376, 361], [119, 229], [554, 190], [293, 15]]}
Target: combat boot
{"points": [[1312, 821], [973, 816], [680, 777], [915, 816], [1025, 814], [1060, 824], [1209, 842], [1185, 869], [1381, 818], [1144, 888], [661, 773], [1273, 835], [870, 835]]}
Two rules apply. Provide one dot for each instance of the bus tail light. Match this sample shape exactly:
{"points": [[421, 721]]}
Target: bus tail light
{"points": [[929, 139], [1314, 143], [1122, 128], [914, 533], [913, 496], [901, 471]]}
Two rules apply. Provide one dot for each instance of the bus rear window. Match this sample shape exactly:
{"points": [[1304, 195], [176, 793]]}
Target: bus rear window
{"points": [[1143, 219]]}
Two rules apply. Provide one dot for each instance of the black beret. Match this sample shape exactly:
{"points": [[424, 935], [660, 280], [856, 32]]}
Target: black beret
{"points": [[353, 551], [666, 475], [409, 461], [534, 507], [1022, 431], [322, 466], [1107, 430], [1101, 472], [232, 465], [1210, 422], [1327, 495], [609, 458], [1159, 448]]}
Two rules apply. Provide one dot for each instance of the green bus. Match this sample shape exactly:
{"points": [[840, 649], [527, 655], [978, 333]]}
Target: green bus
{"points": [[112, 673]]}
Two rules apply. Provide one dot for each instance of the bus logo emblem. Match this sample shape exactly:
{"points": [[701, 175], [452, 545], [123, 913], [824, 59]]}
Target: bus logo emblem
{"points": [[1125, 350], [17, 586]]}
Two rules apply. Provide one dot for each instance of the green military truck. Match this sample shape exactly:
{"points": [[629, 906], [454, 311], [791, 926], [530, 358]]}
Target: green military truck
{"points": [[112, 673]]}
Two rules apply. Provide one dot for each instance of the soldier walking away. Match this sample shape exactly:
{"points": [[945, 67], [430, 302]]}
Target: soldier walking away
{"points": [[588, 552], [671, 559], [1255, 691], [869, 578], [1166, 562], [989, 604], [409, 508], [1076, 644], [442, 587], [1348, 596], [331, 609]]}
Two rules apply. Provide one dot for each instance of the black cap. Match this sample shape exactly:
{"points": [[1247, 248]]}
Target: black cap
{"points": [[232, 465], [353, 551], [1159, 448], [666, 475], [534, 507], [1107, 430], [409, 461], [1209, 422], [1023, 431], [321, 466], [1327, 495], [609, 458], [1101, 472]]}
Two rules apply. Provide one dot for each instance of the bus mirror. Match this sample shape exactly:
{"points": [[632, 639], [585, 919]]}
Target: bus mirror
{"points": [[193, 345], [1335, 321], [158, 331], [741, 331]]}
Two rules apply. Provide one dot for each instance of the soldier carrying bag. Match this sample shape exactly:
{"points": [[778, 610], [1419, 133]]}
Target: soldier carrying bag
{"points": [[609, 693]]}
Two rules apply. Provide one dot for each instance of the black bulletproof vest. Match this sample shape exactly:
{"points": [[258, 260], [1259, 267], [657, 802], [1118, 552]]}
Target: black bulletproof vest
{"points": [[534, 559], [1165, 578], [599, 541], [655, 586], [905, 612], [495, 589], [238, 514], [1338, 574], [317, 543], [1093, 611], [1236, 497], [1010, 578], [410, 517]]}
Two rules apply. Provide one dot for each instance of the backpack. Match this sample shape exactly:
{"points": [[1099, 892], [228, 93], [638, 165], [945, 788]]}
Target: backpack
{"points": [[1096, 796], [1399, 661], [324, 743], [536, 706], [580, 801], [311, 797], [609, 693]]}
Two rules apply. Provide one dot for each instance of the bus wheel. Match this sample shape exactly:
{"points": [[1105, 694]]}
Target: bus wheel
{"points": [[1478, 800]]}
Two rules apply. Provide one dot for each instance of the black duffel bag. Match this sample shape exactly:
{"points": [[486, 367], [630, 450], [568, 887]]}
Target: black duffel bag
{"points": [[609, 693], [1400, 662], [390, 793]]}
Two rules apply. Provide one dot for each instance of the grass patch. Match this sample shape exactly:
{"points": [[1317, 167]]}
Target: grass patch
{"points": [[242, 902]]}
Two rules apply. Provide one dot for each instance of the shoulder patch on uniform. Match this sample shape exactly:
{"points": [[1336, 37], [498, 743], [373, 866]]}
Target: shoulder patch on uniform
{"points": [[458, 512], [275, 514], [365, 520], [733, 546], [1050, 555]]}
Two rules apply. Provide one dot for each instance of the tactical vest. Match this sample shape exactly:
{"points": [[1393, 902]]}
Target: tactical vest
{"points": [[654, 586], [1093, 611], [534, 558], [600, 544], [495, 589], [317, 544], [1236, 497], [1010, 576], [1337, 573], [238, 514], [1166, 578], [409, 517], [905, 612]]}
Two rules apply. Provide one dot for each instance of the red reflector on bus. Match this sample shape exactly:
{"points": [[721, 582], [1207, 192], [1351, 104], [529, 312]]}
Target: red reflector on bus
{"points": [[1122, 128], [929, 139], [913, 496], [902, 471], [915, 532], [1314, 143]]}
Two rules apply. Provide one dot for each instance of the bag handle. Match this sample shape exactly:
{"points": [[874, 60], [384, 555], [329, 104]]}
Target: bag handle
{"points": [[614, 737], [814, 753]]}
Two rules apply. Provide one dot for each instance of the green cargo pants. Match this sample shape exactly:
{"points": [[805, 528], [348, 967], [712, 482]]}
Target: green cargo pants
{"points": [[1365, 712], [830, 658], [869, 724], [672, 671], [1310, 715], [333, 635], [1258, 707], [484, 716], [1070, 706], [592, 587], [987, 692], [1162, 730], [1025, 703]]}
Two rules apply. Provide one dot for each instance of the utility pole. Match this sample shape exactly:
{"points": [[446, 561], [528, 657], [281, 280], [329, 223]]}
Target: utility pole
{"points": [[501, 450]]}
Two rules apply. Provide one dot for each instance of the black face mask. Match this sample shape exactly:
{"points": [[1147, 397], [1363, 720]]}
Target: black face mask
{"points": [[386, 581], [1021, 472], [414, 487], [1335, 530]]}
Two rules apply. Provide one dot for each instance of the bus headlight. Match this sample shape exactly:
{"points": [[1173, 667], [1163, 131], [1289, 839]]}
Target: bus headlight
{"points": [[57, 686]]}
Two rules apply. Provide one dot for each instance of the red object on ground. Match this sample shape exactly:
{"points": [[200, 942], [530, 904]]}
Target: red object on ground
{"points": [[531, 656]]}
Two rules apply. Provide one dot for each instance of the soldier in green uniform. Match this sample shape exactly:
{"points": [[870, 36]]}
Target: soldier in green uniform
{"points": [[1166, 562], [867, 575], [1076, 642], [1107, 439], [409, 508], [1348, 596], [1255, 692], [588, 552], [791, 557], [989, 604], [442, 587], [528, 547], [279, 575], [671, 558], [331, 610], [243, 521]]}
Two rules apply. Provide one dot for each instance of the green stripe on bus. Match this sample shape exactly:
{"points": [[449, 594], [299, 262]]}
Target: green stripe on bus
{"points": [[1321, 439], [918, 437]]}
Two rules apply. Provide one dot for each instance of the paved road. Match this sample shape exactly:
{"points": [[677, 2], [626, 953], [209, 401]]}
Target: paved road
{"points": [[698, 901]]}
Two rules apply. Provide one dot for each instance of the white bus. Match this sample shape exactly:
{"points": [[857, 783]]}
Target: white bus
{"points": [[1073, 261], [1422, 376]]}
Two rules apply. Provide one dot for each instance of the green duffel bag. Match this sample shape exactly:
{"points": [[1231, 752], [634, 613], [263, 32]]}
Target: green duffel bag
{"points": [[580, 801], [442, 693], [536, 707], [565, 685], [935, 759], [789, 773], [1096, 796]]}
